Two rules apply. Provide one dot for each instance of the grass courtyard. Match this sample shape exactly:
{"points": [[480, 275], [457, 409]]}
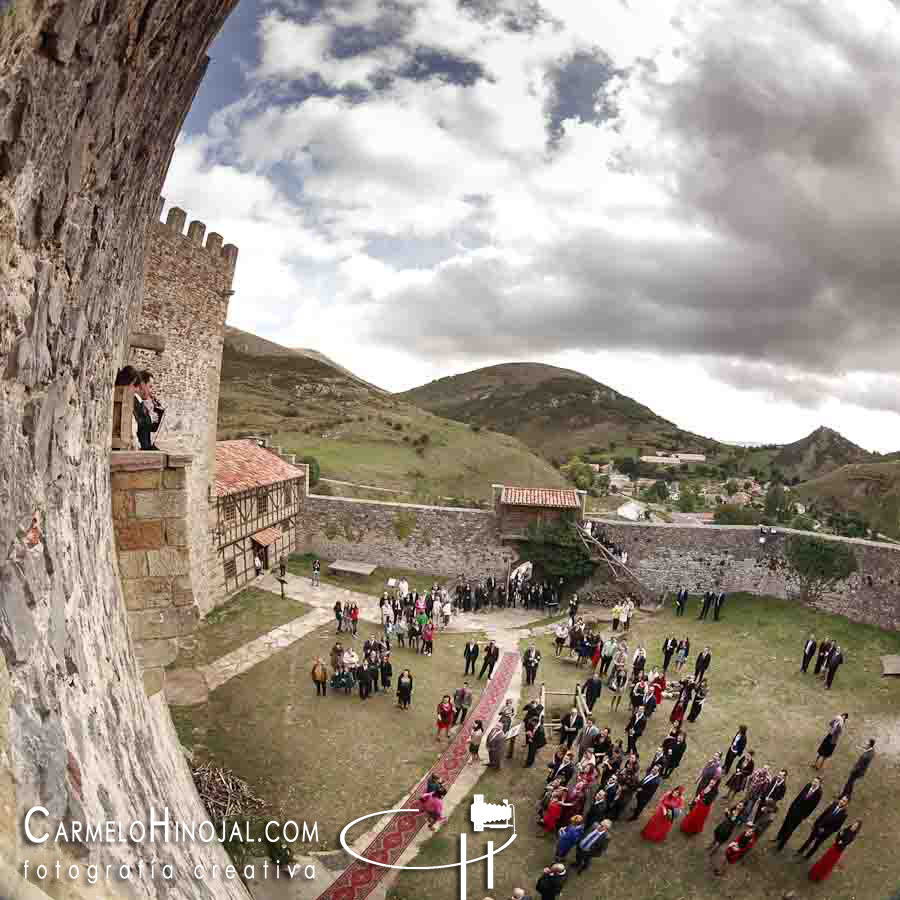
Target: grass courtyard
{"points": [[246, 616], [754, 680], [301, 564], [324, 759]]}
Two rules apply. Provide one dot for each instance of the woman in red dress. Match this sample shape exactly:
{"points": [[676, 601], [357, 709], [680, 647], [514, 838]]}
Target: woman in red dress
{"points": [[695, 820], [444, 717], [554, 810], [738, 849], [822, 869], [667, 811]]}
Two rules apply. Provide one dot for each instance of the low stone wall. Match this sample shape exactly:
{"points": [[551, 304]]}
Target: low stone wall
{"points": [[436, 539], [731, 558], [150, 520]]}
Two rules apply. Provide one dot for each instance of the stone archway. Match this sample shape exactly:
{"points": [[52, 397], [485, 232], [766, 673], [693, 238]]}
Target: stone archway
{"points": [[92, 96]]}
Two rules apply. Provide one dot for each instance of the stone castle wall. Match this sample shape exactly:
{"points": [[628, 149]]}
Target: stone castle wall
{"points": [[433, 539], [150, 518], [187, 285], [94, 94], [731, 558]]}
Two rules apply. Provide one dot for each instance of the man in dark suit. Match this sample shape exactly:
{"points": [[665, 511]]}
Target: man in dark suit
{"points": [[569, 726], [827, 824], [702, 664], [591, 690], [860, 767], [471, 654], [680, 601], [738, 745], [809, 651], [491, 655], [801, 808], [707, 602], [718, 603], [835, 658], [551, 881], [646, 789], [635, 729], [592, 844], [670, 645]]}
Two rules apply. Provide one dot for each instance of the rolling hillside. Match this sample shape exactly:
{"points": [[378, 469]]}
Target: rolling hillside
{"points": [[556, 412], [360, 433], [869, 490]]}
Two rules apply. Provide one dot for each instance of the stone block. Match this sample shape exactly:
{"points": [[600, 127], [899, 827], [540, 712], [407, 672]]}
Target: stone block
{"points": [[174, 479], [122, 505], [168, 562], [183, 583], [176, 532], [147, 480], [183, 598], [160, 504], [147, 593], [152, 624], [135, 535], [154, 679], [155, 654], [133, 564]]}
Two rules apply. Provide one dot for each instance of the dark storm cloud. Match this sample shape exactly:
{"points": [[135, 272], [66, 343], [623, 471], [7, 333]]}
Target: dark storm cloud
{"points": [[516, 16], [807, 391], [777, 147], [433, 62], [577, 91], [391, 27]]}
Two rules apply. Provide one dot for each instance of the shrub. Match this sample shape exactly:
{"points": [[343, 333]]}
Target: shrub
{"points": [[819, 564], [314, 470]]}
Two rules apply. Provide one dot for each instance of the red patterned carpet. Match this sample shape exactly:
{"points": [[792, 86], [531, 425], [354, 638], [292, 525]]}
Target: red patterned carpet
{"points": [[359, 879]]}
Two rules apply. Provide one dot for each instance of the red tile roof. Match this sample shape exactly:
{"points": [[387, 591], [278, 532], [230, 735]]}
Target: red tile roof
{"points": [[266, 537], [559, 499], [241, 465]]}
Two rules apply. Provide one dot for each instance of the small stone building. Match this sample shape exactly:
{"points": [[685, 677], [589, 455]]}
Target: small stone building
{"points": [[255, 510], [518, 508]]}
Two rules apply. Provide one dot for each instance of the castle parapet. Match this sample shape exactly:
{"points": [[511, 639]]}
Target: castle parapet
{"points": [[176, 219]]}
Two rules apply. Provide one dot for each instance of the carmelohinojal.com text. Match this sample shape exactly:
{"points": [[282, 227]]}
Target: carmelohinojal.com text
{"points": [[162, 829]]}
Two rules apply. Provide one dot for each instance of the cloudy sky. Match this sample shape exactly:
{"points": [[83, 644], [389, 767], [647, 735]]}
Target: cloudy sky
{"points": [[696, 203]]}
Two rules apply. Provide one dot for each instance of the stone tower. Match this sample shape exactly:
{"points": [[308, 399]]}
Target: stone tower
{"points": [[187, 285]]}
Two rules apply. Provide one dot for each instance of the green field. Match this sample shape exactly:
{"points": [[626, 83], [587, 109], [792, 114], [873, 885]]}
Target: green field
{"points": [[754, 681]]}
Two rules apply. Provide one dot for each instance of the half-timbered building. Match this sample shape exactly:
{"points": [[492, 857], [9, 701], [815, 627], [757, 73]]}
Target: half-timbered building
{"points": [[255, 509]]}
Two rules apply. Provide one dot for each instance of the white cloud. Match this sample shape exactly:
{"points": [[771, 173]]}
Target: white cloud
{"points": [[729, 233]]}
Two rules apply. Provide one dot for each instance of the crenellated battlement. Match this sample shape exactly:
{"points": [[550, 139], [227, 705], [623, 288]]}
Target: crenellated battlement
{"points": [[175, 221]]}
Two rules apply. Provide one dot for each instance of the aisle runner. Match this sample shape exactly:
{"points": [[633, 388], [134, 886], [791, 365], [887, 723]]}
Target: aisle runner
{"points": [[359, 879]]}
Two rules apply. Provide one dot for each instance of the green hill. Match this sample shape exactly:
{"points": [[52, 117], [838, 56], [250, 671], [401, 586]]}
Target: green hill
{"points": [[557, 412], [870, 491], [819, 453], [361, 434]]}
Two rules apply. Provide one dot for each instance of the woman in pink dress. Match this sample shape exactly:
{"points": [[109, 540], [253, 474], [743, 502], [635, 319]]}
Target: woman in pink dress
{"points": [[554, 810], [432, 804], [695, 820], [822, 869], [668, 810]]}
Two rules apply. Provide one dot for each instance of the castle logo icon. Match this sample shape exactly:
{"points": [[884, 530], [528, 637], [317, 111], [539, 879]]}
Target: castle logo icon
{"points": [[492, 815]]}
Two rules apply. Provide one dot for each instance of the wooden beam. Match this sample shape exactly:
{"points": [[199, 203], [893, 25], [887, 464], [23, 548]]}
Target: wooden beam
{"points": [[142, 340]]}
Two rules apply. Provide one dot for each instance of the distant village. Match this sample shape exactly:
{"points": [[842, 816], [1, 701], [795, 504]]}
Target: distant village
{"points": [[667, 487]]}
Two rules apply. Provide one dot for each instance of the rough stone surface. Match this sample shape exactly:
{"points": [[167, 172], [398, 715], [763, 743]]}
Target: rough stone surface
{"points": [[431, 539], [732, 559], [187, 286], [92, 95]]}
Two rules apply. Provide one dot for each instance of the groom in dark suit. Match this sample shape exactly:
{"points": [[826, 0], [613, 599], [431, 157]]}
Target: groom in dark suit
{"points": [[809, 651]]}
